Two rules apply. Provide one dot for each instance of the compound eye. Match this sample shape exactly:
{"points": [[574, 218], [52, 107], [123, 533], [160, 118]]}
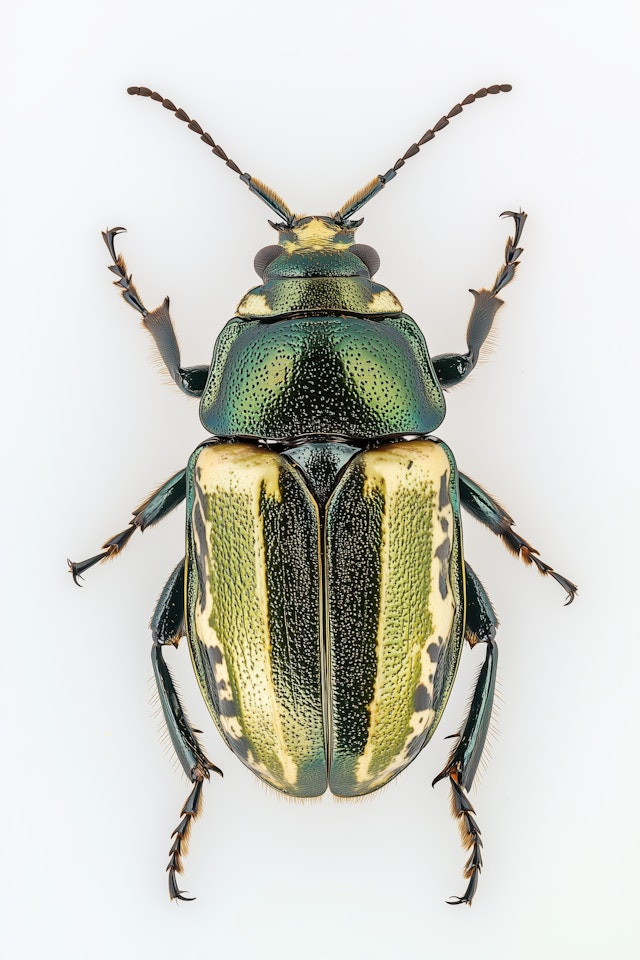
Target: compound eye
{"points": [[368, 255], [264, 257]]}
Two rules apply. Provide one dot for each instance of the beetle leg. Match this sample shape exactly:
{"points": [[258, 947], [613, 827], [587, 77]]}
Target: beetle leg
{"points": [[484, 508], [453, 368], [157, 506], [167, 622], [194, 763], [191, 380], [167, 625], [463, 761]]}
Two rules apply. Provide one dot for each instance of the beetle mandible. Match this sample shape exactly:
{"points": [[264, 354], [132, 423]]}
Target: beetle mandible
{"points": [[324, 594]]}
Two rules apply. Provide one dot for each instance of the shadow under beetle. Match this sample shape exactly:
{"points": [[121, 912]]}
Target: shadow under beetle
{"points": [[324, 593]]}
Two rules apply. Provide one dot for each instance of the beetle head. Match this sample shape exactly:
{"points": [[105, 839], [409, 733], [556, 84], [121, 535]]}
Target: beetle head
{"points": [[317, 267], [316, 246]]}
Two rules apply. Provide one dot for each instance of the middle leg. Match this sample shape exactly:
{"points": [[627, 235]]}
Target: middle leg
{"points": [[157, 506], [488, 511]]}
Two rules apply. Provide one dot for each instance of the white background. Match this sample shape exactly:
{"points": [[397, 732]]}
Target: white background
{"points": [[316, 98]]}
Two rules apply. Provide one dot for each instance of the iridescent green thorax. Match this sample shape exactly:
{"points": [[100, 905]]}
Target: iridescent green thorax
{"points": [[317, 271], [326, 376]]}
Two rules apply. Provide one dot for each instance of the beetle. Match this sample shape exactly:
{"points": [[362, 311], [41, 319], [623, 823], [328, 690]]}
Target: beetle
{"points": [[324, 594]]}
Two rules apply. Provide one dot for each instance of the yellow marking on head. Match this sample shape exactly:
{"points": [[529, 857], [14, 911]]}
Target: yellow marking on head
{"points": [[316, 234], [254, 305], [384, 302]]}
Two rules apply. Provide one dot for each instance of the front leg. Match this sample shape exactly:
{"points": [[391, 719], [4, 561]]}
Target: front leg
{"points": [[488, 511], [191, 380], [453, 368]]}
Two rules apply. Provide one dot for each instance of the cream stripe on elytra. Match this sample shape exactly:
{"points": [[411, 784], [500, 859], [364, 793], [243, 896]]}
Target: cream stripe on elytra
{"points": [[242, 475], [417, 604]]}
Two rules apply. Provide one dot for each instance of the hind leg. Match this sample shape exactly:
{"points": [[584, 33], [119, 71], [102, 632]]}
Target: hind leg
{"points": [[463, 761], [167, 626]]}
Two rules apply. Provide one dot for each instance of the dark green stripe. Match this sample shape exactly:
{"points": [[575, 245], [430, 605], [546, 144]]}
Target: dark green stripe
{"points": [[354, 537], [293, 585]]}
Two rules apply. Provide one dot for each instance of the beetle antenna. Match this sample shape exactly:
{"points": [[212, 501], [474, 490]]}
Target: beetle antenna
{"points": [[363, 196], [266, 194]]}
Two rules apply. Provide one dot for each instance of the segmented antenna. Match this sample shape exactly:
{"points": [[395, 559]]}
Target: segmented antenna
{"points": [[363, 196], [266, 194]]}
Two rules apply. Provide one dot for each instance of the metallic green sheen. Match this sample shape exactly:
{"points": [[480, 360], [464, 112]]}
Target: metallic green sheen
{"points": [[316, 263], [334, 376], [298, 294]]}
